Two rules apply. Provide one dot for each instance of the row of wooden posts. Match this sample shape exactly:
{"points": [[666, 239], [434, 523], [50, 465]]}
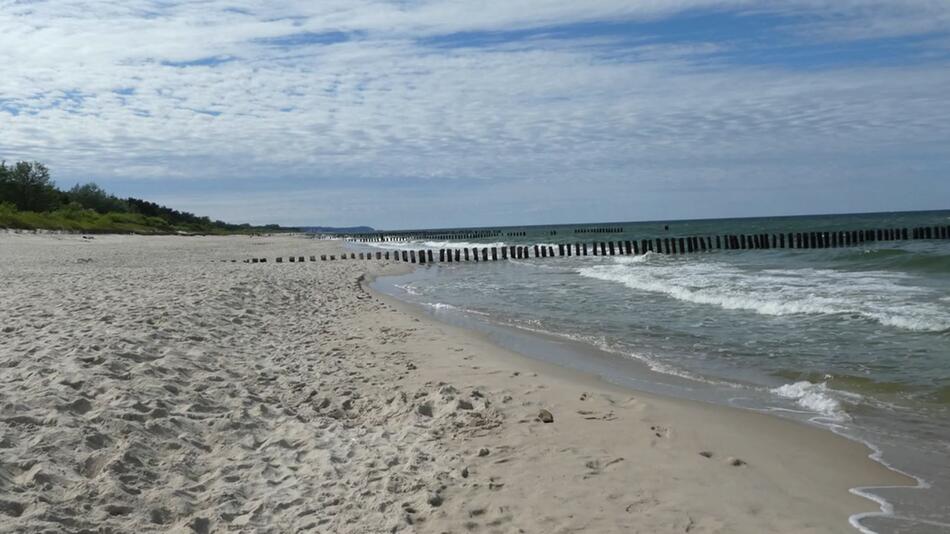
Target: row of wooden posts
{"points": [[665, 245]]}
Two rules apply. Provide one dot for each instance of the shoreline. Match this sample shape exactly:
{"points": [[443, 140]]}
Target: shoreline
{"points": [[480, 329], [165, 389]]}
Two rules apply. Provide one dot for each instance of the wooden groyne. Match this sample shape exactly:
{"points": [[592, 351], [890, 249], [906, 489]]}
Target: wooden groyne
{"points": [[632, 247]]}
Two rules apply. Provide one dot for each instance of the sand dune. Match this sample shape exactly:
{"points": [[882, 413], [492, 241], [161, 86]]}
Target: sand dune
{"points": [[147, 386]]}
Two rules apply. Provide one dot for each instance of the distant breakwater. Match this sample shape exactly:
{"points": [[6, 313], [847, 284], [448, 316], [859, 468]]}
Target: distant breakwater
{"points": [[658, 245]]}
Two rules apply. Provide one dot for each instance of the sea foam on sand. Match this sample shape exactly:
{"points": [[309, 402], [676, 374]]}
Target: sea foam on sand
{"points": [[147, 384]]}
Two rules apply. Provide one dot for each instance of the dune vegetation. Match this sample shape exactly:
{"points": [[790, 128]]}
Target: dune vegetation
{"points": [[30, 200]]}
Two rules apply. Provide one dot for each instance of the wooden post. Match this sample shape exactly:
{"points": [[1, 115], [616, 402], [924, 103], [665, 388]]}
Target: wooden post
{"points": [[504, 253], [441, 255], [544, 252], [429, 254], [494, 254], [475, 253], [412, 256], [560, 249], [484, 253], [612, 251], [458, 255], [466, 253], [537, 252], [511, 251]]}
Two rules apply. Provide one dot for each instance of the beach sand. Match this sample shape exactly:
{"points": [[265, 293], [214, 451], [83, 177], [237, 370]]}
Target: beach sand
{"points": [[147, 386]]}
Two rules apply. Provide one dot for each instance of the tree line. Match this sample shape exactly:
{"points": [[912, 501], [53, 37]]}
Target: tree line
{"points": [[27, 186]]}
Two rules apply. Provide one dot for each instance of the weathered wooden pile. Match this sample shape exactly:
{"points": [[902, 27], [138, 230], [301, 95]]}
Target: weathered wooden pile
{"points": [[660, 245]]}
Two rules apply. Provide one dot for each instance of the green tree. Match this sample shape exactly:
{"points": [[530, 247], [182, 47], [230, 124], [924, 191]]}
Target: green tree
{"points": [[93, 197], [28, 186]]}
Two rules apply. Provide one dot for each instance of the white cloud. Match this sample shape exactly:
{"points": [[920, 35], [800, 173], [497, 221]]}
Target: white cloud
{"points": [[98, 94]]}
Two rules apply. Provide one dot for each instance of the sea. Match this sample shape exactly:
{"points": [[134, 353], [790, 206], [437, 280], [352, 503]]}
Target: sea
{"points": [[855, 340]]}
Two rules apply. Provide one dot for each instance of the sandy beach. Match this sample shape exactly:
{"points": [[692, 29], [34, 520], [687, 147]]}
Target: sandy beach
{"points": [[148, 386]]}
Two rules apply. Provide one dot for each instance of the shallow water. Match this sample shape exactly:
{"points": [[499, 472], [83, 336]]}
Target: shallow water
{"points": [[856, 339]]}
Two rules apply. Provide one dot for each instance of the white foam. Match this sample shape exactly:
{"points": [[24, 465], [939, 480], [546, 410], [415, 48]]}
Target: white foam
{"points": [[441, 307], [435, 245], [409, 289], [883, 297], [813, 397], [642, 258]]}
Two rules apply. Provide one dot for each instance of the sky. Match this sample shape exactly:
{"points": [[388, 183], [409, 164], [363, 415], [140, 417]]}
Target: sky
{"points": [[443, 113]]}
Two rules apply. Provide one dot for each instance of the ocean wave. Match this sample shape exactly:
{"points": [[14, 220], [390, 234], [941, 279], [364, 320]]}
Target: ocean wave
{"points": [[813, 397], [875, 296], [434, 245], [408, 288], [441, 306], [633, 260]]}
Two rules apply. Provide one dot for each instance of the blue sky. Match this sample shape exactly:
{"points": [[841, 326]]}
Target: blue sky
{"points": [[443, 113]]}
